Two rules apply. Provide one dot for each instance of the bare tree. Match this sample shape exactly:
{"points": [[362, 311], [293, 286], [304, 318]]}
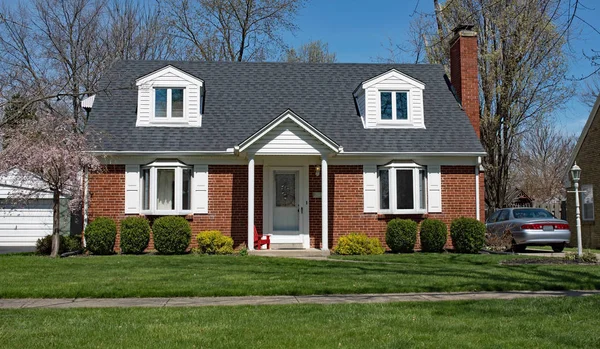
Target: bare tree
{"points": [[56, 51], [542, 162], [137, 31], [231, 30], [50, 157], [522, 70], [311, 52]]}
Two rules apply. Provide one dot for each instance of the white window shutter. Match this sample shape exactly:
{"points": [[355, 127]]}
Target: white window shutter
{"points": [[132, 189], [370, 188], [434, 190], [200, 198]]}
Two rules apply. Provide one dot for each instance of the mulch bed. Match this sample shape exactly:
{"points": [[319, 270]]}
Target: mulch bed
{"points": [[542, 261]]}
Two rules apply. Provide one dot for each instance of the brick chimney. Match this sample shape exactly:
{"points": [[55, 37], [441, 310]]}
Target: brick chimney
{"points": [[464, 72]]}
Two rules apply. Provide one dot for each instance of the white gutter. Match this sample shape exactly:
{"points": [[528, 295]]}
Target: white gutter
{"points": [[348, 153], [170, 153], [477, 206], [85, 202]]}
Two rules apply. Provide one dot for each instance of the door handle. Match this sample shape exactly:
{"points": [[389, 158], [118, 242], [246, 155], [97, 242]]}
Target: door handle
{"points": [[302, 210]]}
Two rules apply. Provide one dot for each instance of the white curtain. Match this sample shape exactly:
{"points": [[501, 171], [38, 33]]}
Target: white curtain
{"points": [[165, 190]]}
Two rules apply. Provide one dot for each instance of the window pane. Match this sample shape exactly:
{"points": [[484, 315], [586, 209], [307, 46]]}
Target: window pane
{"points": [[386, 106], [285, 186], [384, 189], [404, 190], [422, 189], [165, 188], [587, 202], [146, 189], [160, 103], [186, 189], [401, 106], [177, 103]]}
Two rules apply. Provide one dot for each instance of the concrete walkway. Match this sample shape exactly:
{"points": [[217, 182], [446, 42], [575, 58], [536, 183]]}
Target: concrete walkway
{"points": [[278, 300]]}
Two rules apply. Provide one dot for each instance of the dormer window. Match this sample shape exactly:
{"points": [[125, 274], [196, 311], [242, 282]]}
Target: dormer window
{"points": [[169, 97], [169, 103], [394, 105], [391, 100]]}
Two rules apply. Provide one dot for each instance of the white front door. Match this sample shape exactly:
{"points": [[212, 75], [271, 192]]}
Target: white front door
{"points": [[286, 206]]}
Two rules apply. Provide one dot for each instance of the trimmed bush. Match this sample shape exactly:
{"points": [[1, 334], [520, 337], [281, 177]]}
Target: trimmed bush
{"points": [[214, 242], [434, 235], [172, 234], [468, 235], [100, 236], [135, 235], [401, 235], [358, 244], [43, 246]]}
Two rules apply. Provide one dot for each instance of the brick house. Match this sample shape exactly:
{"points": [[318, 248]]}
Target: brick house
{"points": [[587, 156], [303, 152]]}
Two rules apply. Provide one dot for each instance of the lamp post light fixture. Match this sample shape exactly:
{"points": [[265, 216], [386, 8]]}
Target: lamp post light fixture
{"points": [[576, 175]]}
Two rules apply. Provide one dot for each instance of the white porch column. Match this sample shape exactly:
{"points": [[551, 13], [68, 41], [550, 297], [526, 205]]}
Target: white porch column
{"points": [[324, 204], [250, 202]]}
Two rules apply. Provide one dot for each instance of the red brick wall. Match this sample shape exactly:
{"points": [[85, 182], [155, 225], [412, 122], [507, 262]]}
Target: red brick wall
{"points": [[227, 203], [107, 194], [464, 75], [346, 202], [228, 188]]}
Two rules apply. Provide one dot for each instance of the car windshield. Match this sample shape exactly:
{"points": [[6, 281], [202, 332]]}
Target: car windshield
{"points": [[529, 213]]}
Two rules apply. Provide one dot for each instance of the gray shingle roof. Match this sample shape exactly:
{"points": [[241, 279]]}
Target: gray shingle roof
{"points": [[243, 97]]}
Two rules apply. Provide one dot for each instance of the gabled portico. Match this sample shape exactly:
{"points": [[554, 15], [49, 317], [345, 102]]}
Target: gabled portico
{"points": [[287, 147]]}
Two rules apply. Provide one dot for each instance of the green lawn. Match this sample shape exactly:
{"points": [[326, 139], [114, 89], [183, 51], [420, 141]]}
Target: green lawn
{"points": [[524, 323], [194, 275], [567, 249]]}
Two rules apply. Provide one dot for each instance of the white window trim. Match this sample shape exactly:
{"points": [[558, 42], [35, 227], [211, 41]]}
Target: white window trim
{"points": [[395, 120], [583, 216], [392, 168], [154, 167], [168, 120]]}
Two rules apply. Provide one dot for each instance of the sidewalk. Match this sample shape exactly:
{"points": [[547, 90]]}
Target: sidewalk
{"points": [[279, 300]]}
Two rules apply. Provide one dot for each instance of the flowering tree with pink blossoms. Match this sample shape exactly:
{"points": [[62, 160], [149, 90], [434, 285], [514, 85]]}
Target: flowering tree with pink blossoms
{"points": [[51, 151]]}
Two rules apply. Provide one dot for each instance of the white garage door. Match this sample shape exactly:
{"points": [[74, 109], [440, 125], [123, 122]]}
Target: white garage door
{"points": [[22, 225]]}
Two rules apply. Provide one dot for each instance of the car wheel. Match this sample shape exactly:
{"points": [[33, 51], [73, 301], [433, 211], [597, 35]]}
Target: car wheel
{"points": [[558, 247], [518, 248]]}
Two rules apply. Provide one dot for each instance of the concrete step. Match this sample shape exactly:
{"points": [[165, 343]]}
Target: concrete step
{"points": [[291, 253], [287, 246]]}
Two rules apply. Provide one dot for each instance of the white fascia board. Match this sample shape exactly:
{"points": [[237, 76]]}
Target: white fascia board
{"points": [[161, 153], [393, 73], [289, 115], [169, 69], [466, 154]]}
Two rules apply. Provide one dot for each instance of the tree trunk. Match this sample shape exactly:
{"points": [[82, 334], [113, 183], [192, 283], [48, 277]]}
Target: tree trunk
{"points": [[55, 223]]}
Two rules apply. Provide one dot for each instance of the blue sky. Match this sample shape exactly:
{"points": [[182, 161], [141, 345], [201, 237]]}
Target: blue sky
{"points": [[359, 32]]}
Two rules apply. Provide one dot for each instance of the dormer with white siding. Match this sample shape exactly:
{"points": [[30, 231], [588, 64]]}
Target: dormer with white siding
{"points": [[391, 100], [169, 97]]}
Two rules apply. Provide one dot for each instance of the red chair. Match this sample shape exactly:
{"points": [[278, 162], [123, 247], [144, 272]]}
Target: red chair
{"points": [[260, 240]]}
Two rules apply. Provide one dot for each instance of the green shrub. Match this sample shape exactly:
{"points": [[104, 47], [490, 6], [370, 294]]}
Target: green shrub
{"points": [[214, 242], [172, 234], [468, 235], [586, 257], [100, 236], [43, 246], [135, 234], [401, 235], [434, 235], [358, 244]]}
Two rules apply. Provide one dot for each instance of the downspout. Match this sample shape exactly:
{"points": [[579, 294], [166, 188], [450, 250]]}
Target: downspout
{"points": [[85, 202], [477, 208]]}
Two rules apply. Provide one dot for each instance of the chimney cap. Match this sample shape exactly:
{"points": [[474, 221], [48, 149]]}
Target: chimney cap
{"points": [[462, 27]]}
